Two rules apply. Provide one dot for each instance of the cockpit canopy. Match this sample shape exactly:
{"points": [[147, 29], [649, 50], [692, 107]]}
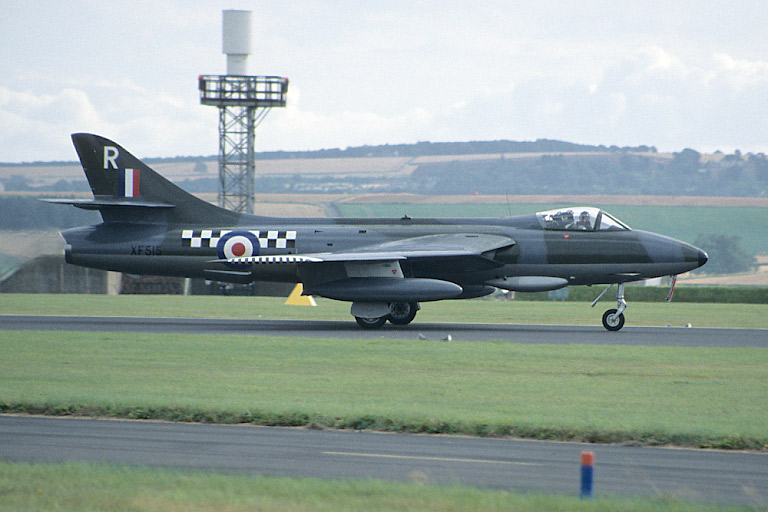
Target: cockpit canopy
{"points": [[580, 218]]}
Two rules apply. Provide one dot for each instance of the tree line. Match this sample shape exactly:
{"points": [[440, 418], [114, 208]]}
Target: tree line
{"points": [[622, 173], [606, 170]]}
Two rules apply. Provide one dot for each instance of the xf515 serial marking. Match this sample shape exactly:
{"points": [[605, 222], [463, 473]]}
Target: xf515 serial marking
{"points": [[384, 267]]}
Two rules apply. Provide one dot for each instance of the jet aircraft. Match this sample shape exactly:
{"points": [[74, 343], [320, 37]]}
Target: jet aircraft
{"points": [[384, 267]]}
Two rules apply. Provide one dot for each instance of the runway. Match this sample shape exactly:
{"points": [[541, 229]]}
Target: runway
{"points": [[534, 334], [708, 476]]}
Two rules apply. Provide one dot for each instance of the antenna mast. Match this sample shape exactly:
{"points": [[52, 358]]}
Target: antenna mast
{"points": [[243, 102]]}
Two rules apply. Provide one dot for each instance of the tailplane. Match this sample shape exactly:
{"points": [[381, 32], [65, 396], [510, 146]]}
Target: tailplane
{"points": [[125, 189]]}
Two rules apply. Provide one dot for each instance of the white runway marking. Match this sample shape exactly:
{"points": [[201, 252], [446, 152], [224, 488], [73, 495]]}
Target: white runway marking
{"points": [[440, 459]]}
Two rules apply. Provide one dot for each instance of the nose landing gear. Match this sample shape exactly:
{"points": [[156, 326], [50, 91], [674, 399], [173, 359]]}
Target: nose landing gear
{"points": [[613, 319]]}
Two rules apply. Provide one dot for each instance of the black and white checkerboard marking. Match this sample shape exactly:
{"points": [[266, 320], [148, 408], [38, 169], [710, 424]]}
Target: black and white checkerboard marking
{"points": [[209, 238], [266, 260]]}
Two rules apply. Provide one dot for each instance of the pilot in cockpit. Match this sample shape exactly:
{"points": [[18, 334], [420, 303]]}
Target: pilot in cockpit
{"points": [[584, 222]]}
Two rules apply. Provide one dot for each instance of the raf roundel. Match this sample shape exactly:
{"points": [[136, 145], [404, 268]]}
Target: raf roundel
{"points": [[238, 244]]}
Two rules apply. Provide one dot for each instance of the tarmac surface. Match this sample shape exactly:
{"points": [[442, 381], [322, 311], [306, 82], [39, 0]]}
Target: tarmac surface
{"points": [[516, 333], [549, 467]]}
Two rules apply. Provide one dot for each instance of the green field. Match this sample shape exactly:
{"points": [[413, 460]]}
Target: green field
{"points": [[681, 222], [649, 395], [78, 487]]}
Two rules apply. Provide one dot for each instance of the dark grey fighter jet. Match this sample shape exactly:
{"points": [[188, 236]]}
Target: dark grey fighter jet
{"points": [[384, 267]]}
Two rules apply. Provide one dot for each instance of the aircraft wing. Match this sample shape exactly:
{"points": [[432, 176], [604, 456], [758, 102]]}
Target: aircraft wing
{"points": [[449, 245]]}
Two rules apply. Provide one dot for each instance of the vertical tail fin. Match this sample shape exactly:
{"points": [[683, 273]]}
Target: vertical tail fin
{"points": [[126, 189]]}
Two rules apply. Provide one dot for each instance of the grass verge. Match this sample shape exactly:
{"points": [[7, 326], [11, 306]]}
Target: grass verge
{"points": [[79, 486], [700, 397]]}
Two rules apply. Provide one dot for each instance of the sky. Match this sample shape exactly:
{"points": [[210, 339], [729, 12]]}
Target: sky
{"points": [[670, 74]]}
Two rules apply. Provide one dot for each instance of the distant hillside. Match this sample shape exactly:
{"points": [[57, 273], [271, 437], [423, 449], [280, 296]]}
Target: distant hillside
{"points": [[625, 173], [451, 148], [389, 150], [481, 167]]}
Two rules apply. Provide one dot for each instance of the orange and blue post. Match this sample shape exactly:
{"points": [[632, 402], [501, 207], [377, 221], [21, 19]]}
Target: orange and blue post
{"points": [[587, 472]]}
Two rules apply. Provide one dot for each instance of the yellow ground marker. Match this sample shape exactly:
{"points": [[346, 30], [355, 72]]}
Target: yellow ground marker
{"points": [[297, 299]]}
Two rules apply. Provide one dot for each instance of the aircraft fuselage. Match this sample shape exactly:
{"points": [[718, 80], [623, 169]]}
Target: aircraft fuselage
{"points": [[580, 257]]}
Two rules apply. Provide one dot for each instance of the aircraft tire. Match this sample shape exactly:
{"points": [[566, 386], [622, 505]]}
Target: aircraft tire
{"points": [[371, 323], [402, 313], [611, 322]]}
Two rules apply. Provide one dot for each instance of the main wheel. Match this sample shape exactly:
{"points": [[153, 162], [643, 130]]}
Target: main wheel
{"points": [[370, 323], [612, 321], [402, 313]]}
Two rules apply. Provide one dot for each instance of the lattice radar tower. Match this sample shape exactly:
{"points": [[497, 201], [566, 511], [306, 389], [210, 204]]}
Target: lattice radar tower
{"points": [[243, 102]]}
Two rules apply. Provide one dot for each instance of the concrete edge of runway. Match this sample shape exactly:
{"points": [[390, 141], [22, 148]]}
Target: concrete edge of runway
{"points": [[468, 332]]}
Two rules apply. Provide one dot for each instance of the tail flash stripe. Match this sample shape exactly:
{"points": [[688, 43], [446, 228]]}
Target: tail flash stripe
{"points": [[129, 182], [136, 182]]}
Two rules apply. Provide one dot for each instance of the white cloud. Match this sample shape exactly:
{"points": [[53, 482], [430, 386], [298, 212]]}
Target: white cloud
{"points": [[32, 124], [687, 74], [650, 97], [37, 126], [294, 128]]}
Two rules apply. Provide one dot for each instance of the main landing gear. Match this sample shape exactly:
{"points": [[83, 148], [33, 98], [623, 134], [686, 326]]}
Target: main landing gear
{"points": [[400, 313], [613, 319]]}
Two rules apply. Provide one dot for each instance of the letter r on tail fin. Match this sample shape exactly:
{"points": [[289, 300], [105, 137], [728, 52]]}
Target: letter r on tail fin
{"points": [[110, 155]]}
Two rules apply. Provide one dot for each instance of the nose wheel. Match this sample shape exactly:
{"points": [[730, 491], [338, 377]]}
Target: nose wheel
{"points": [[613, 319]]}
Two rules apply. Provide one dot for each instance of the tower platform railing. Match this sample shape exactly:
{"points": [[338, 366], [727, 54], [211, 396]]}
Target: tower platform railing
{"points": [[244, 91]]}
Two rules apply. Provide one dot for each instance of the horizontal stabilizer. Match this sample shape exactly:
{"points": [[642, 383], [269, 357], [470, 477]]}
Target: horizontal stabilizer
{"points": [[97, 204]]}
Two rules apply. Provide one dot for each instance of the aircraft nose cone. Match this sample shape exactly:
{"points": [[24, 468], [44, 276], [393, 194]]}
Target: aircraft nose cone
{"points": [[693, 257], [703, 257]]}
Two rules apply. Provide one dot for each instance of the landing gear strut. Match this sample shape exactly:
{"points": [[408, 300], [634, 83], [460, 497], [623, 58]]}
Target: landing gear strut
{"points": [[613, 319]]}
